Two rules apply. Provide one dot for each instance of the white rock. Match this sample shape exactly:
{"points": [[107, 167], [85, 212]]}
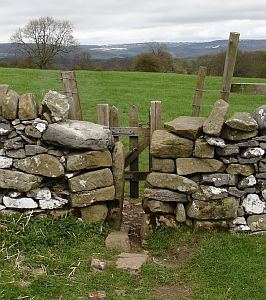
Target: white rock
{"points": [[239, 221], [241, 228], [14, 194], [40, 194], [264, 194], [53, 203], [22, 203], [253, 152], [253, 205], [215, 141], [5, 162], [2, 207], [2, 152]]}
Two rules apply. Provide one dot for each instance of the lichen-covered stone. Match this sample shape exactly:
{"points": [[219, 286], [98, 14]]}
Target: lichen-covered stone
{"points": [[31, 150], [40, 193], [89, 160], [171, 182], [180, 213], [164, 195], [79, 135], [19, 203], [207, 193], [156, 206], [86, 198], [219, 179], [237, 135], [53, 203], [41, 164], [253, 204], [214, 123], [168, 145], [210, 225], [5, 162], [221, 209], [215, 141], [186, 166], [185, 126], [18, 180], [203, 149], [247, 182], [95, 213], [242, 121], [252, 152], [5, 128], [238, 169], [259, 115], [10, 105], [165, 165], [91, 180], [27, 107], [257, 222]]}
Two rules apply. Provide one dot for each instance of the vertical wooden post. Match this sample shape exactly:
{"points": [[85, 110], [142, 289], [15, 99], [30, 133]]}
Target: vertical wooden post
{"points": [[103, 114], [133, 142], [155, 121], [199, 91], [229, 65], [70, 89], [114, 119]]}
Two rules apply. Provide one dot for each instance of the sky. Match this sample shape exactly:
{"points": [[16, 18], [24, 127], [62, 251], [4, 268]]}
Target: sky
{"points": [[132, 21]]}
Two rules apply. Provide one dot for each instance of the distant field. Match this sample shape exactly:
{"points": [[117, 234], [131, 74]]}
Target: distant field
{"points": [[123, 89]]}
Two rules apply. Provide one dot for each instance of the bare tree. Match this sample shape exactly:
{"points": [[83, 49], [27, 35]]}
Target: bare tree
{"points": [[43, 39]]}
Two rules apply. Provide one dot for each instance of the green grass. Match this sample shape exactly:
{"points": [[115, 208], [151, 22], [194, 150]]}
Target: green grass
{"points": [[49, 259]]}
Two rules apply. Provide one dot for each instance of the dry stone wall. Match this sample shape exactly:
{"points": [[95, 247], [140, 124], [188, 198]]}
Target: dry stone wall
{"points": [[52, 165], [208, 173]]}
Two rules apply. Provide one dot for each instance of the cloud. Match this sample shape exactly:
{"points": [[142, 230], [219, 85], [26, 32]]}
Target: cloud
{"points": [[113, 21]]}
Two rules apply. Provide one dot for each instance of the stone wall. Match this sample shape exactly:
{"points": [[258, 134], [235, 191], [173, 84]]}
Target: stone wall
{"points": [[208, 173], [52, 165]]}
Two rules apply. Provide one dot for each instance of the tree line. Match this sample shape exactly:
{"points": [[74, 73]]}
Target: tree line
{"points": [[47, 43]]}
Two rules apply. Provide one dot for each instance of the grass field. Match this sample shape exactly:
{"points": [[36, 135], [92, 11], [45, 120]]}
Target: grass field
{"points": [[47, 259]]}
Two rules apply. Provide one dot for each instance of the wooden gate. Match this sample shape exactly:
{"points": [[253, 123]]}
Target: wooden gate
{"points": [[139, 138]]}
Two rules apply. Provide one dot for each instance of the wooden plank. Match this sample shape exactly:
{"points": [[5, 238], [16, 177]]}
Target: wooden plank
{"points": [[249, 88], [70, 89], [133, 143], [103, 114], [155, 121], [130, 131], [199, 91], [136, 176], [114, 120], [134, 153], [229, 65]]}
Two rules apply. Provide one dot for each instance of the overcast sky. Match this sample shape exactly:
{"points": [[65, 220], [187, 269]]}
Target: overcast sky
{"points": [[129, 21]]}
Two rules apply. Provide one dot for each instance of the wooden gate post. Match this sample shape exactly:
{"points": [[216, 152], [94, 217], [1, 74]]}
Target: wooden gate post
{"points": [[199, 91], [229, 65], [70, 89], [155, 121], [103, 114]]}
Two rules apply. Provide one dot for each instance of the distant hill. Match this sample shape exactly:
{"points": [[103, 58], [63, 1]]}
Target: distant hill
{"points": [[178, 50]]}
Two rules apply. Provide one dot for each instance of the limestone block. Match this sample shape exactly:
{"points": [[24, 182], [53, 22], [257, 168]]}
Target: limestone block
{"points": [[79, 135], [221, 209], [164, 195], [118, 240], [14, 143], [165, 165], [257, 222], [5, 128], [180, 213], [185, 126], [253, 204], [228, 150], [238, 169], [171, 182], [53, 203], [20, 203], [89, 160], [5, 162], [155, 206], [18, 180], [252, 152], [33, 132], [91, 180], [203, 149], [168, 145], [86, 198], [206, 193], [41, 164], [186, 166], [31, 150], [237, 135], [95, 213], [247, 182], [40, 193], [242, 121], [10, 105], [259, 116], [214, 123], [219, 179], [27, 107], [215, 141]]}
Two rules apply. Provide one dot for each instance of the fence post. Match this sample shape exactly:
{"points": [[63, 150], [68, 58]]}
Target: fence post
{"points": [[199, 91], [103, 114], [70, 89], [229, 65], [114, 120], [133, 142], [155, 121]]}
